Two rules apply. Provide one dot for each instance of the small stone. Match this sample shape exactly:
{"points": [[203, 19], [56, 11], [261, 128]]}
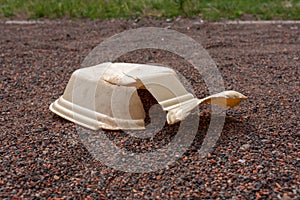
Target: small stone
{"points": [[245, 147], [56, 177], [294, 27], [286, 197]]}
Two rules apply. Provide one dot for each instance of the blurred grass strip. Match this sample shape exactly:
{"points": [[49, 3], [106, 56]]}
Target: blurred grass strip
{"points": [[210, 10]]}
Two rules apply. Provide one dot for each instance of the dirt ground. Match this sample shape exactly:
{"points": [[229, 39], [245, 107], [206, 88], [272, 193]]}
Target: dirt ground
{"points": [[256, 157]]}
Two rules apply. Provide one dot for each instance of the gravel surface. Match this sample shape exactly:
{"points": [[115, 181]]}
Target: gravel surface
{"points": [[256, 157]]}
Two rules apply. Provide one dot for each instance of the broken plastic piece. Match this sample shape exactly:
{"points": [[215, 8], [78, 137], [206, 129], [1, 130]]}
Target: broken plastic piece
{"points": [[225, 99], [105, 96]]}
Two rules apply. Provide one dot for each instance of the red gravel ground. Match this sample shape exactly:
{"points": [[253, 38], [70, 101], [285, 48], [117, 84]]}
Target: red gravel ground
{"points": [[256, 157]]}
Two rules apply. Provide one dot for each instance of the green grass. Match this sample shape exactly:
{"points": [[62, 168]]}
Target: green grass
{"points": [[209, 10]]}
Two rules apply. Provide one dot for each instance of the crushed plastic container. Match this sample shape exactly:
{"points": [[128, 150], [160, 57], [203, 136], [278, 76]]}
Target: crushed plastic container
{"points": [[105, 96]]}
